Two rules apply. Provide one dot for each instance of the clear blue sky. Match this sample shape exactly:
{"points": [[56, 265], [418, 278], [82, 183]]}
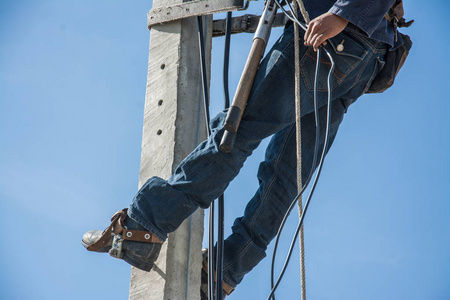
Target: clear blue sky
{"points": [[72, 87]]}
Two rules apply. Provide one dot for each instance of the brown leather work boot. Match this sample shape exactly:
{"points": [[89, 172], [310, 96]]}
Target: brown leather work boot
{"points": [[227, 289], [125, 239]]}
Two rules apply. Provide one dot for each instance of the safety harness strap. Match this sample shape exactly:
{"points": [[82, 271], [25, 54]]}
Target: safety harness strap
{"points": [[395, 15], [117, 227]]}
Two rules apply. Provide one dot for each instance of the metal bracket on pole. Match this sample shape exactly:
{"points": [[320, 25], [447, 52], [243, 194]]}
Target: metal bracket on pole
{"points": [[191, 9], [245, 23]]}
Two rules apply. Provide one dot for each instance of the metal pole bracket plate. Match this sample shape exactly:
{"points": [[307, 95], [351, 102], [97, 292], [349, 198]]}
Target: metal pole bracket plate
{"points": [[191, 9], [246, 23]]}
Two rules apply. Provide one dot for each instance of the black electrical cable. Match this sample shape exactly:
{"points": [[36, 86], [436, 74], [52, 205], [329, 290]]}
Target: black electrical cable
{"points": [[303, 26], [292, 16], [203, 71], [219, 255], [212, 294], [316, 150], [221, 201], [215, 262], [226, 60], [211, 256], [315, 179]]}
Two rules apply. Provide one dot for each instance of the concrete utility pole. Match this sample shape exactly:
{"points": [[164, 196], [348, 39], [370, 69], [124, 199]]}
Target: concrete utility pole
{"points": [[173, 125]]}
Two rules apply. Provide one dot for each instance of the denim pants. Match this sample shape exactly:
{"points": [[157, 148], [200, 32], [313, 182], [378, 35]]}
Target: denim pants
{"points": [[162, 205]]}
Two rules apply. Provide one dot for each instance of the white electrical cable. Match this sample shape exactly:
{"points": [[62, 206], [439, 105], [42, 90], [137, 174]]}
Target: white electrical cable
{"points": [[295, 20]]}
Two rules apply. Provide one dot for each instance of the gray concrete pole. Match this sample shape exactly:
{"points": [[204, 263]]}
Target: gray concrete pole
{"points": [[173, 125]]}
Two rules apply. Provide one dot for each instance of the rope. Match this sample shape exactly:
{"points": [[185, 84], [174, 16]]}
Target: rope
{"points": [[299, 138], [302, 10]]}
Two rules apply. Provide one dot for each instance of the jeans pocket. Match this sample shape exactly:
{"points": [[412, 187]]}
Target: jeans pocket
{"points": [[379, 64], [347, 51]]}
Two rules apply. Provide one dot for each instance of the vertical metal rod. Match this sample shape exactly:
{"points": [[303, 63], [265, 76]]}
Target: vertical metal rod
{"points": [[221, 203], [211, 256], [219, 257], [203, 68]]}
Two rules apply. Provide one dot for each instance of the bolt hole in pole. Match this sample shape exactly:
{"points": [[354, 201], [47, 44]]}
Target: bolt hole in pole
{"points": [[160, 102], [159, 132], [163, 66]]}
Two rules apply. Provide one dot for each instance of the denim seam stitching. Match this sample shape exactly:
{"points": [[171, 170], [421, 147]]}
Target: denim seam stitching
{"points": [[225, 267], [278, 58], [304, 78], [360, 72], [278, 157], [277, 160], [340, 76], [367, 42], [146, 225], [374, 73]]}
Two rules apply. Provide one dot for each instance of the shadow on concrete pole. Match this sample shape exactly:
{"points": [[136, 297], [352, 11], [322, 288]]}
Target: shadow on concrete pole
{"points": [[173, 125]]}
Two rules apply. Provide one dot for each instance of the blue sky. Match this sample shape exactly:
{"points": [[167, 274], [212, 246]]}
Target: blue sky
{"points": [[72, 87]]}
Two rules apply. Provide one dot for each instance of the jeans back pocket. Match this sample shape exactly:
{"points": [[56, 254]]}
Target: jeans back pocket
{"points": [[347, 51]]}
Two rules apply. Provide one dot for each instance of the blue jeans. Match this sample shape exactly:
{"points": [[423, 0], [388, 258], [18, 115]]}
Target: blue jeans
{"points": [[161, 205]]}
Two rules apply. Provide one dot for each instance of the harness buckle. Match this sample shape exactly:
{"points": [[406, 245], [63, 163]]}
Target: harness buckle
{"points": [[116, 249]]}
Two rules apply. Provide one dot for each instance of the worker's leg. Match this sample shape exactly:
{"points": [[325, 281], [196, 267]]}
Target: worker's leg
{"points": [[161, 205], [252, 233]]}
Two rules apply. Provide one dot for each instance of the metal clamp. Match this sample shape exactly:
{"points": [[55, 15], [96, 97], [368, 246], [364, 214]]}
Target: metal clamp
{"points": [[246, 23], [116, 250]]}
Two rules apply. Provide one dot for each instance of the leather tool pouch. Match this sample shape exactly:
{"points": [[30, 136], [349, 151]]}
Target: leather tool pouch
{"points": [[394, 60]]}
